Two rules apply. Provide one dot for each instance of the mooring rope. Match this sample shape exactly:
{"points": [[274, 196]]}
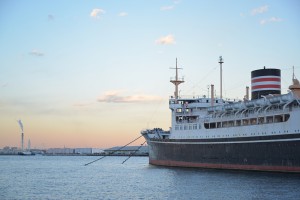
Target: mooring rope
{"points": [[113, 151], [133, 153]]}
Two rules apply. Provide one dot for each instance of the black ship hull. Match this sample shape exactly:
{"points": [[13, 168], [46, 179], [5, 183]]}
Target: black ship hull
{"points": [[262, 153]]}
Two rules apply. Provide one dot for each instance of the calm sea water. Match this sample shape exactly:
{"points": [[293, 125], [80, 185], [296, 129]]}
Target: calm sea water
{"points": [[66, 177]]}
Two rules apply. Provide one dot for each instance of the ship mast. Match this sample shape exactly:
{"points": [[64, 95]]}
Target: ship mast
{"points": [[176, 81], [221, 62]]}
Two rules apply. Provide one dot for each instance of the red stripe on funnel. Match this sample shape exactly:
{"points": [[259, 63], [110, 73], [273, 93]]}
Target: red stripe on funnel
{"points": [[265, 86], [265, 79]]}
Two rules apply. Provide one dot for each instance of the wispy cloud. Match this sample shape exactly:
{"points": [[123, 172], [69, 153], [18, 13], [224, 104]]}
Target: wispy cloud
{"points": [[270, 20], [36, 52], [260, 10], [83, 104], [167, 8], [120, 97], [50, 17], [96, 12], [242, 14], [4, 84], [166, 40], [170, 7], [123, 14]]}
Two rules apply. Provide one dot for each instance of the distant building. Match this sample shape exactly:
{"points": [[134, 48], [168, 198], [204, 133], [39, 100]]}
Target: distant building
{"points": [[60, 151], [128, 150], [83, 150], [97, 150], [66, 151], [9, 150]]}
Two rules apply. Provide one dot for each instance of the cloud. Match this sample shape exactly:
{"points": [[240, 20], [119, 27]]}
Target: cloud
{"points": [[272, 19], [119, 97], [242, 14], [4, 85], [50, 17], [260, 10], [165, 40], [123, 14], [167, 8], [83, 104], [96, 12], [170, 7], [35, 52]]}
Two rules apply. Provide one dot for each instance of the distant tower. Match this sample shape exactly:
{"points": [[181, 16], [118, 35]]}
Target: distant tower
{"points": [[176, 81], [221, 61]]}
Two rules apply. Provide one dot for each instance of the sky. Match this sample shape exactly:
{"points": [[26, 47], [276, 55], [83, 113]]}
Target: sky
{"points": [[96, 73]]}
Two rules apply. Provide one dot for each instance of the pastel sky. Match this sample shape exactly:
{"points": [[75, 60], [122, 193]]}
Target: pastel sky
{"points": [[95, 73]]}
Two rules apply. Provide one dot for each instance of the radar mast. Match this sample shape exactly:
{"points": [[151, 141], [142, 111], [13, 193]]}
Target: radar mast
{"points": [[176, 81]]}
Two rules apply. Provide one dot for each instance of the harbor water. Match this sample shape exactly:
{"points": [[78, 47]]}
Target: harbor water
{"points": [[67, 177]]}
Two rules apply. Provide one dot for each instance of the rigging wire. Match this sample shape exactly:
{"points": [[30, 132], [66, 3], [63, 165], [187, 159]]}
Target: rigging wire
{"points": [[133, 152], [159, 104], [197, 84], [234, 86], [114, 151], [285, 82]]}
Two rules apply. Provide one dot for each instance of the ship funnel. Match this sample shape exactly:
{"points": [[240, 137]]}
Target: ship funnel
{"points": [[264, 82]]}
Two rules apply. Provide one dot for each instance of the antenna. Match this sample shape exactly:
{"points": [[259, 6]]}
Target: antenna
{"points": [[176, 81], [208, 86], [294, 73], [221, 62]]}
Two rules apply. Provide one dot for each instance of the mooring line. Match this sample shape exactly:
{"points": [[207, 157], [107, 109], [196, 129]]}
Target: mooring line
{"points": [[113, 151], [133, 153]]}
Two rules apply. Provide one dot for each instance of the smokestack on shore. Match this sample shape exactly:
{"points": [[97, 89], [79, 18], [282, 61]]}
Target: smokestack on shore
{"points": [[22, 134]]}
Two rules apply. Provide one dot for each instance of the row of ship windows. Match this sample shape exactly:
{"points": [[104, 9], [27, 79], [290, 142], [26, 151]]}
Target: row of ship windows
{"points": [[224, 124], [188, 127], [246, 122], [234, 135]]}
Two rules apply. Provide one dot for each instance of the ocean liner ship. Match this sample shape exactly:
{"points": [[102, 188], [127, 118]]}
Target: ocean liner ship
{"points": [[261, 133]]}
